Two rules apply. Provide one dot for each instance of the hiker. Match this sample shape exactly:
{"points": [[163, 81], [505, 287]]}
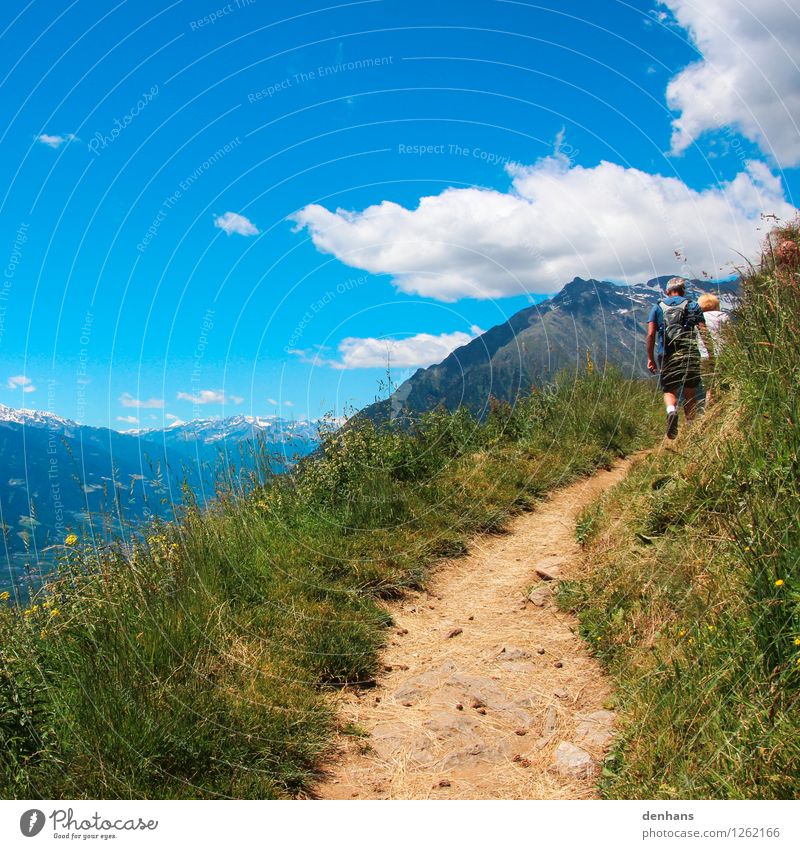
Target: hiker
{"points": [[715, 320], [673, 320]]}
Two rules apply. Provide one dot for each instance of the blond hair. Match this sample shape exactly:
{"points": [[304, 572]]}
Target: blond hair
{"points": [[708, 302], [676, 284]]}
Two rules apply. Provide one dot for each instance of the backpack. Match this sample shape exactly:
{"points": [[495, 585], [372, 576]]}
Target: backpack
{"points": [[676, 329]]}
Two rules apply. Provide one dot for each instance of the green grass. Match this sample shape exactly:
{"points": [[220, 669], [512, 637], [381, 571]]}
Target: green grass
{"points": [[197, 660], [694, 598]]}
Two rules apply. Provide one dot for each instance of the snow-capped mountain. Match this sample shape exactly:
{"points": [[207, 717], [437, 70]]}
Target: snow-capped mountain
{"points": [[36, 418]]}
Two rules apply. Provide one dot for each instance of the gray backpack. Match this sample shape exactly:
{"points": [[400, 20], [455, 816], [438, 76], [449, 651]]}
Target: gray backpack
{"points": [[676, 324]]}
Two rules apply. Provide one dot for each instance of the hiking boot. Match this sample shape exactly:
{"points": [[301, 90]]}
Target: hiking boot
{"points": [[672, 425]]}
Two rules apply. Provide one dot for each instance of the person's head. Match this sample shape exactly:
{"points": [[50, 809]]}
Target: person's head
{"points": [[676, 286], [708, 302]]}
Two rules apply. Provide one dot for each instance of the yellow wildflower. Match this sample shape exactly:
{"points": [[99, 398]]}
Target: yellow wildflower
{"points": [[690, 640], [4, 596], [779, 582], [71, 539], [682, 633], [797, 641], [55, 612]]}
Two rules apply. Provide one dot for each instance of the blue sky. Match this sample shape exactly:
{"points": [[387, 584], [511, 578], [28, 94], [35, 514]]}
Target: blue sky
{"points": [[214, 208]]}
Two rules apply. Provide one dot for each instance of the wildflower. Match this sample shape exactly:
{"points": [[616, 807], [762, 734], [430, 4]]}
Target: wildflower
{"points": [[55, 612], [682, 633], [779, 582], [797, 641], [71, 539], [690, 640], [4, 596], [712, 628]]}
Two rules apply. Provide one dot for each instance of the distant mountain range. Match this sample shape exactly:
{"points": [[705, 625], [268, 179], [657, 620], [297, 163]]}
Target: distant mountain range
{"points": [[606, 319], [58, 476]]}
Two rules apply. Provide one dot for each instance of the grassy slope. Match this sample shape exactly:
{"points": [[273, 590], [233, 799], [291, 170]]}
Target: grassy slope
{"points": [[195, 664], [694, 598]]}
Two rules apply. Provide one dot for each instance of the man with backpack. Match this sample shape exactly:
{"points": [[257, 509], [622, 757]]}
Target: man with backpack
{"points": [[672, 322]]}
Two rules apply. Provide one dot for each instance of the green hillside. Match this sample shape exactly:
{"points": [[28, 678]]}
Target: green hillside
{"points": [[694, 598], [199, 664]]}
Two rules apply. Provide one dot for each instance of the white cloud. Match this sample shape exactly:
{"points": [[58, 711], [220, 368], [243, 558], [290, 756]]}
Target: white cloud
{"points": [[128, 400], [171, 417], [273, 402], [417, 351], [56, 141], [748, 77], [128, 419], [19, 381], [288, 403], [556, 222], [232, 222], [209, 396]]}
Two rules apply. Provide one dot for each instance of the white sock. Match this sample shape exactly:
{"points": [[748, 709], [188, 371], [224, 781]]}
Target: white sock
{"points": [[671, 408]]}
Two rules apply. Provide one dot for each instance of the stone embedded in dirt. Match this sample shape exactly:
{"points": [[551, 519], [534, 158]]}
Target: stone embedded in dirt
{"points": [[408, 704], [387, 667], [401, 632], [402, 666], [444, 783], [560, 693], [470, 618], [521, 732], [573, 762], [521, 760], [513, 653], [482, 711], [478, 703], [596, 729], [549, 574], [454, 633], [540, 650], [459, 706], [550, 721], [558, 664], [539, 595]]}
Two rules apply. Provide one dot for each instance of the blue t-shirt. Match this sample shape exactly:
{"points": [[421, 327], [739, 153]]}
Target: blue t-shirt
{"points": [[694, 316]]}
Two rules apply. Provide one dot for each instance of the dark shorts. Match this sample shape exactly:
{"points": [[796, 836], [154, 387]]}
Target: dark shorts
{"points": [[678, 372]]}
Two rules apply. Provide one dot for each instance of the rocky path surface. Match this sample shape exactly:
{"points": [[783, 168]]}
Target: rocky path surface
{"points": [[487, 691]]}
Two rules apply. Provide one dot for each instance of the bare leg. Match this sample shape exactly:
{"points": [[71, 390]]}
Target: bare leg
{"points": [[670, 399]]}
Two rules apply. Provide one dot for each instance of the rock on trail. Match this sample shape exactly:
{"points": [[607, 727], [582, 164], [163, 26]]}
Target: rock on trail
{"points": [[490, 694]]}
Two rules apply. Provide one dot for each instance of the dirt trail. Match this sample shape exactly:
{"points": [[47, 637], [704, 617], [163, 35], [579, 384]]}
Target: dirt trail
{"points": [[486, 694]]}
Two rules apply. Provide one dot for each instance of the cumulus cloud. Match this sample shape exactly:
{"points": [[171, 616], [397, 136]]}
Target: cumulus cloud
{"points": [[748, 77], [556, 222], [209, 396], [19, 381], [417, 351], [127, 400], [232, 222], [128, 419], [56, 141], [273, 402]]}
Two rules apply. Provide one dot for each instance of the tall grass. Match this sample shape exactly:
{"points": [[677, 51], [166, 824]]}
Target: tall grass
{"points": [[694, 601], [198, 661]]}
